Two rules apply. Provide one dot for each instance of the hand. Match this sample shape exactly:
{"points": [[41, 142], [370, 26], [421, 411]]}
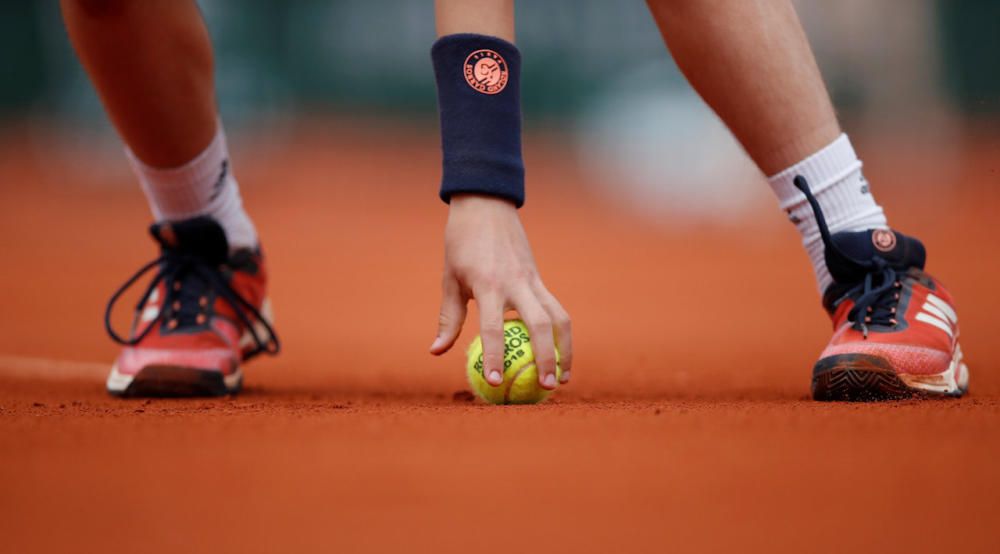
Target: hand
{"points": [[487, 257]]}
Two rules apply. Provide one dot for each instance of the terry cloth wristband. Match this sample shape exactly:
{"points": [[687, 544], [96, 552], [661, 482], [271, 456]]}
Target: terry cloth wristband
{"points": [[479, 99]]}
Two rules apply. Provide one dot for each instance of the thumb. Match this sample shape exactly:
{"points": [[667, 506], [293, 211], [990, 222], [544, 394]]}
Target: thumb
{"points": [[453, 309]]}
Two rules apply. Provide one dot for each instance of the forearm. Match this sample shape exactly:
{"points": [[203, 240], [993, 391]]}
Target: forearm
{"points": [[493, 18]]}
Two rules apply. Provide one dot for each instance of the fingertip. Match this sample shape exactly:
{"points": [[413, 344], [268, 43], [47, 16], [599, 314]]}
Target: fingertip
{"points": [[566, 368], [439, 346], [495, 378], [549, 381], [444, 341], [436, 345]]}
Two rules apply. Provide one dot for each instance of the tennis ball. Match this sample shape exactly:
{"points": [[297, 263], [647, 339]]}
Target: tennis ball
{"points": [[520, 376]]}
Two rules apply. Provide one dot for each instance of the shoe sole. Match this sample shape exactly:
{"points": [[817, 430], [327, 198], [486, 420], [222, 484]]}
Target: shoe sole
{"points": [[866, 378], [173, 381], [179, 381]]}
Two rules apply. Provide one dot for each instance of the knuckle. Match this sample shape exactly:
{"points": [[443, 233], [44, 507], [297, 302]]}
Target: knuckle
{"points": [[467, 272], [491, 331], [536, 282], [485, 281], [540, 321], [563, 321], [546, 361], [454, 269], [473, 272], [526, 275]]}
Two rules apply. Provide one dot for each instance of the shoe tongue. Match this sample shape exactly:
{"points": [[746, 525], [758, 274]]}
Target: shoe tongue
{"points": [[201, 237], [859, 247]]}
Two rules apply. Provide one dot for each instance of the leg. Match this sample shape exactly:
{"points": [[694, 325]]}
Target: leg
{"points": [[751, 63], [896, 330], [151, 63]]}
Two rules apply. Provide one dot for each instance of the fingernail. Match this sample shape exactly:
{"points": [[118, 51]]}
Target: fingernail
{"points": [[437, 343], [549, 381], [495, 377], [565, 377]]}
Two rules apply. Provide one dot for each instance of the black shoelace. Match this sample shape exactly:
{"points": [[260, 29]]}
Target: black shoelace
{"points": [[877, 295], [186, 279]]}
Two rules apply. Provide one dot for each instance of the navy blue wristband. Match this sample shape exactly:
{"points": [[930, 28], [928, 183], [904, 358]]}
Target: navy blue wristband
{"points": [[479, 100]]}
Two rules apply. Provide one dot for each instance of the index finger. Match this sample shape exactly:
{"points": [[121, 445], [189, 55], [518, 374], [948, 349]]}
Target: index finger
{"points": [[491, 330]]}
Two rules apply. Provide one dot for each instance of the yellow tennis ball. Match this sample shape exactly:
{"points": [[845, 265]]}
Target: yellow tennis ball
{"points": [[520, 376]]}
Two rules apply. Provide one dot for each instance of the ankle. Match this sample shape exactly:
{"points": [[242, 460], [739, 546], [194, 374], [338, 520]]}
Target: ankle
{"points": [[204, 186]]}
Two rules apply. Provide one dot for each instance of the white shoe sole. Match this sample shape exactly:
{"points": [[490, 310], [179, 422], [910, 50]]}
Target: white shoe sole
{"points": [[954, 381], [165, 380]]}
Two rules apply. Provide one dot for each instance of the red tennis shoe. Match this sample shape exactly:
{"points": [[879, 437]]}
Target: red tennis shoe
{"points": [[895, 327], [203, 313]]}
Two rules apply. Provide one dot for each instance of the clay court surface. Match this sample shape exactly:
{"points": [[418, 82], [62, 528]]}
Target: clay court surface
{"points": [[686, 427]]}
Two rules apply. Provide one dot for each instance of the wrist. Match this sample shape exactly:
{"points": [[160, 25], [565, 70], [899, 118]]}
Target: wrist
{"points": [[469, 200]]}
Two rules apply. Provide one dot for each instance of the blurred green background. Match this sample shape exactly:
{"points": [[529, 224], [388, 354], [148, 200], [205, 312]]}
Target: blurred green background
{"points": [[310, 56], [918, 76]]}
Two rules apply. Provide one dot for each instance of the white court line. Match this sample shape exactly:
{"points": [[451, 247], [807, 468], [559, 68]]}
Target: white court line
{"points": [[48, 368]]}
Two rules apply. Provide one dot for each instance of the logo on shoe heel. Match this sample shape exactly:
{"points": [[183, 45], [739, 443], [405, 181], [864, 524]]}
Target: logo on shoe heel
{"points": [[884, 240]]}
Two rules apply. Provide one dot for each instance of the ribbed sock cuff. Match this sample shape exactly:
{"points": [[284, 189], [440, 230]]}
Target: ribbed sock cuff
{"points": [[835, 179], [822, 169], [203, 186]]}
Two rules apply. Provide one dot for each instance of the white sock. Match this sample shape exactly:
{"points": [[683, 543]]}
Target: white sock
{"points": [[835, 179], [203, 186]]}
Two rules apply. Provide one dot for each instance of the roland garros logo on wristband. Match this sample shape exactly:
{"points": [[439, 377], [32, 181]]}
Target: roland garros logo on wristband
{"points": [[485, 71]]}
